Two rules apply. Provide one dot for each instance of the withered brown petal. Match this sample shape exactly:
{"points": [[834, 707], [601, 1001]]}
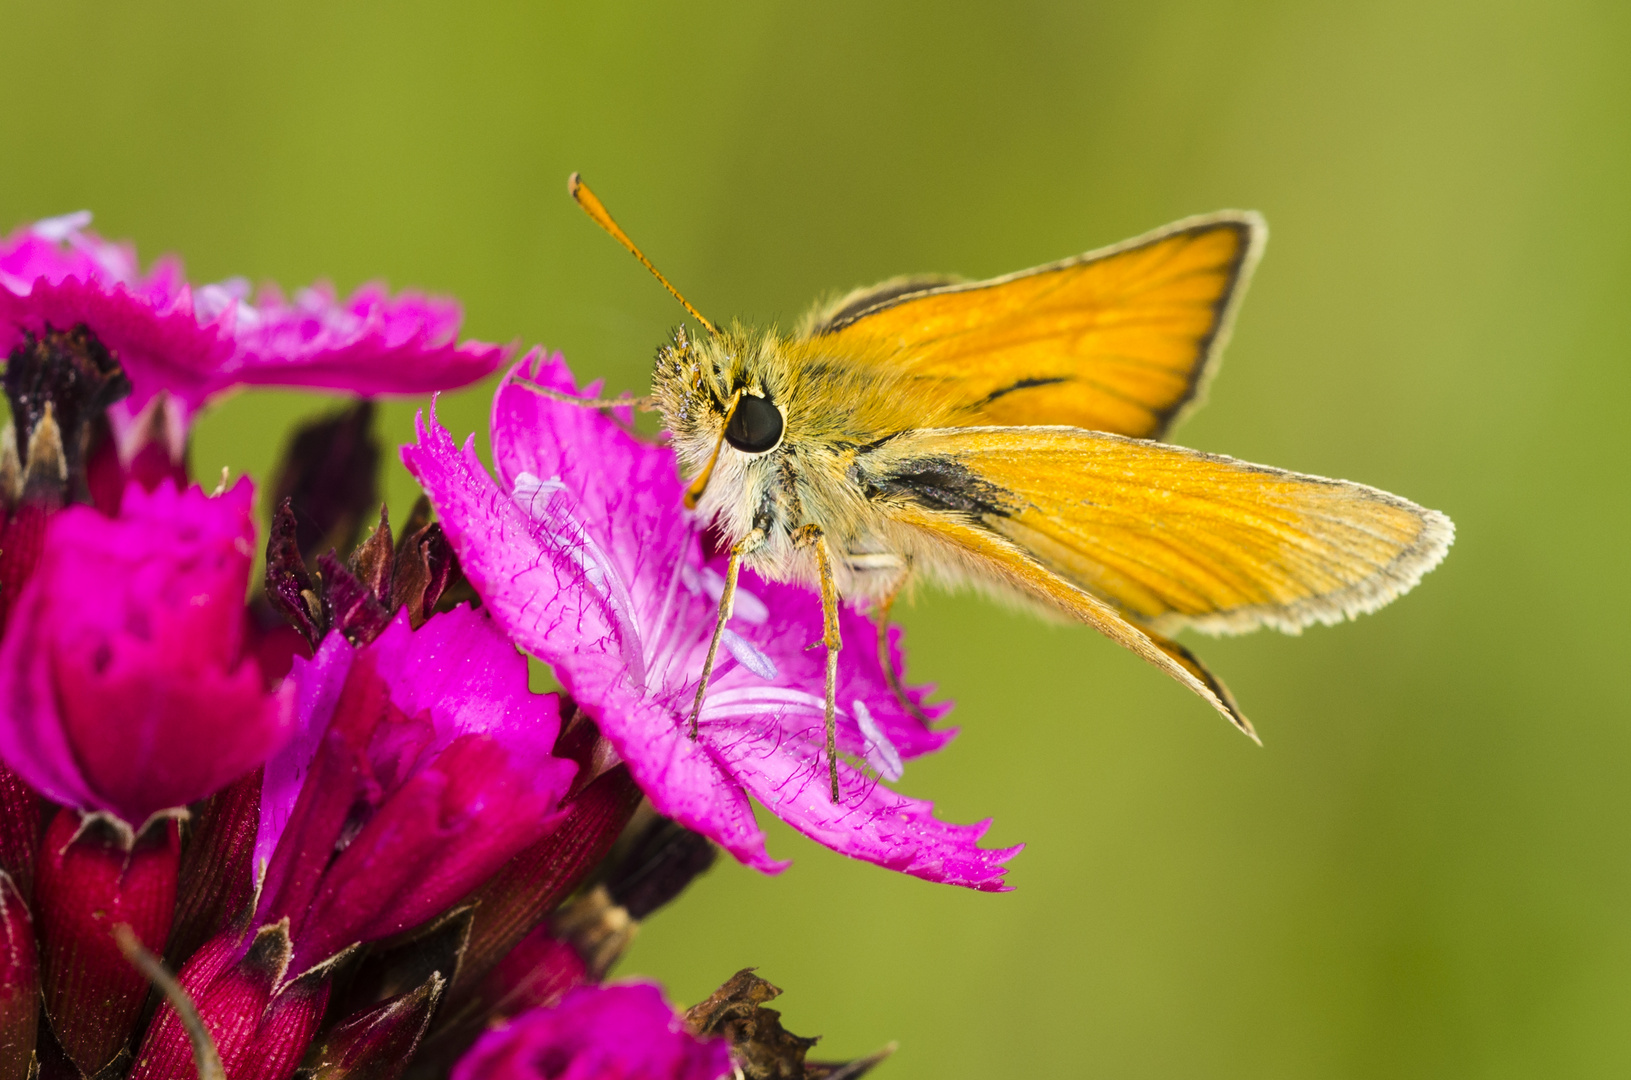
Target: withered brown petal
{"points": [[761, 1047], [290, 587], [418, 521], [357, 613], [373, 561], [425, 566], [846, 1070]]}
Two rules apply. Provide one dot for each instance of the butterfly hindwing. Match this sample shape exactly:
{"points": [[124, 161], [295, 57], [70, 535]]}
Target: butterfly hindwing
{"points": [[1171, 537]]}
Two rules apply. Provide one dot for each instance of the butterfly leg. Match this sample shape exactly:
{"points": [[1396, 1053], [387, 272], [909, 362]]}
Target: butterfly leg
{"points": [[811, 536], [885, 606], [727, 605]]}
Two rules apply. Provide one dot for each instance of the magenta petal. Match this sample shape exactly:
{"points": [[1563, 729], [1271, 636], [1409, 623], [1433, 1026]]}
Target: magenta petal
{"points": [[370, 344], [625, 1031], [531, 585], [196, 343], [317, 683], [450, 827], [124, 684], [787, 772], [160, 347], [583, 553], [434, 739]]}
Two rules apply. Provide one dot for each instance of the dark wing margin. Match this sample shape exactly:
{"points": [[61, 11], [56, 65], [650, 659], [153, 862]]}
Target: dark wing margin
{"points": [[836, 314]]}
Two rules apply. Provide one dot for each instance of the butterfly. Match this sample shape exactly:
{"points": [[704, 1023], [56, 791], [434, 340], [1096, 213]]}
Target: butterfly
{"points": [[1007, 434]]}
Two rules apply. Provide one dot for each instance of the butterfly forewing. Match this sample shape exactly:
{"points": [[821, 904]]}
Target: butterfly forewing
{"points": [[1118, 340]]}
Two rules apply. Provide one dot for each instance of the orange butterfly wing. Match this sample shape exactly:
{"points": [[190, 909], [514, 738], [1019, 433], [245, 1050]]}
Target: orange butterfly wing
{"points": [[1119, 340], [1139, 538], [1171, 537]]}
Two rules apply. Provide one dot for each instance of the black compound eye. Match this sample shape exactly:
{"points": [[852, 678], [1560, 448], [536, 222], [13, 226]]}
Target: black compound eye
{"points": [[755, 425]]}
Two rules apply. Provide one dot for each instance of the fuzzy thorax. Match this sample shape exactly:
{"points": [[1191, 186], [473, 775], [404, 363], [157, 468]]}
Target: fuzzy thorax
{"points": [[833, 408]]}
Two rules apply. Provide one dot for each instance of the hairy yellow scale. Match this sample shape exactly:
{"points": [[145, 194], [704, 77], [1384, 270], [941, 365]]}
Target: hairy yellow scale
{"points": [[1002, 434]]}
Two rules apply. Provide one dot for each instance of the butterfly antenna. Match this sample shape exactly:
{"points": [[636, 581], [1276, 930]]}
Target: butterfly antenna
{"points": [[597, 210], [693, 494]]}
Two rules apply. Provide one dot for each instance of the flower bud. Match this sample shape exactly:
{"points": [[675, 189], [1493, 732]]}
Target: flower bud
{"points": [[124, 676], [19, 983], [377, 1044], [261, 1021], [93, 874], [216, 877]]}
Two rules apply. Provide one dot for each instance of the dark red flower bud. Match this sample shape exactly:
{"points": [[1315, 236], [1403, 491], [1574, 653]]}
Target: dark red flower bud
{"points": [[663, 860], [19, 983], [527, 889], [216, 879], [92, 875], [377, 1044], [19, 831], [537, 973], [261, 1023], [329, 478]]}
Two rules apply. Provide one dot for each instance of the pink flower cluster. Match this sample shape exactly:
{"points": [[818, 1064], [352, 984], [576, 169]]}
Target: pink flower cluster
{"points": [[330, 803]]}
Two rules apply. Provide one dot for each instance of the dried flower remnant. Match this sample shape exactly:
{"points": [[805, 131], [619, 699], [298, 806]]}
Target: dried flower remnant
{"points": [[326, 491], [761, 1048], [582, 552]]}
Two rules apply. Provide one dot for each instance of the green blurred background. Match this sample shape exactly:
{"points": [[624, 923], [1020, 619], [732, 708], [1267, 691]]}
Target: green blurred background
{"points": [[1423, 872]]}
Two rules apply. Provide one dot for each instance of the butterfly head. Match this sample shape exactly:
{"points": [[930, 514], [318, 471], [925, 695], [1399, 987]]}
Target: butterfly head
{"points": [[724, 400]]}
